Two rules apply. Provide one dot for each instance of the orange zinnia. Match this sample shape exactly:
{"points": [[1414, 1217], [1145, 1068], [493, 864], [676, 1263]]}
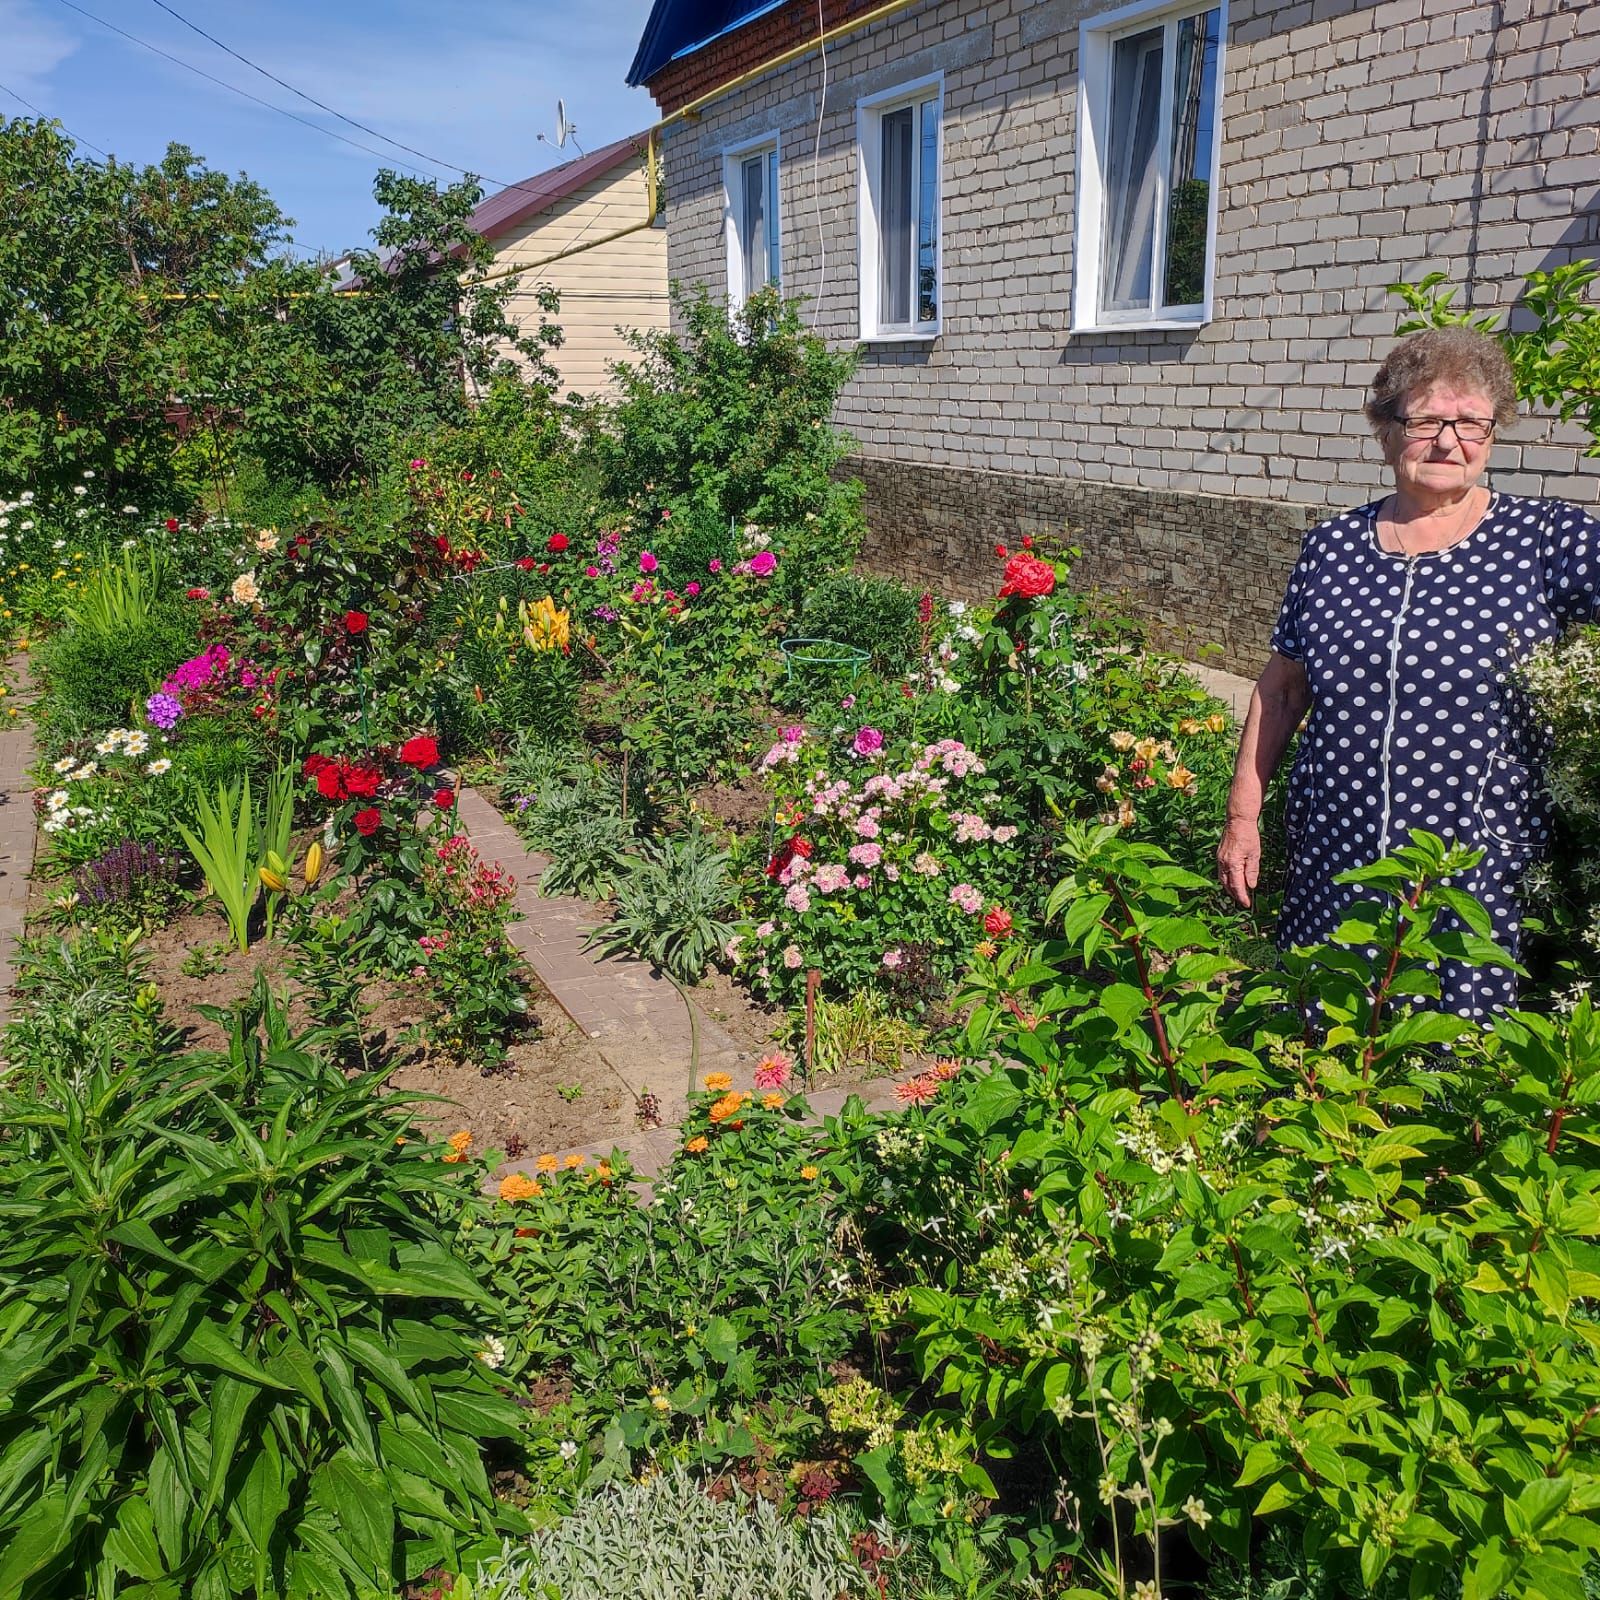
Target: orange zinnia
{"points": [[548, 1163], [727, 1106], [716, 1082], [460, 1142], [519, 1186], [810, 1173], [772, 1101], [698, 1144], [574, 1160]]}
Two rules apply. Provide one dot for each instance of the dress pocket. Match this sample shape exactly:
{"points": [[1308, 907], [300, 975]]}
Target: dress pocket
{"points": [[1512, 810]]}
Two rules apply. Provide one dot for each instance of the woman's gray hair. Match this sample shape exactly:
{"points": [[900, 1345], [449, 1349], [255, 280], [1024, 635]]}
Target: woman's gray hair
{"points": [[1460, 357]]}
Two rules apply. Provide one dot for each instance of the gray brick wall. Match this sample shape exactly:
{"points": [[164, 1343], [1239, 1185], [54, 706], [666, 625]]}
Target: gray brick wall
{"points": [[1361, 143]]}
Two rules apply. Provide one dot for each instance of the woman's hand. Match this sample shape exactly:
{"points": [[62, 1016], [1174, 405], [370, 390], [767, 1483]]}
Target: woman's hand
{"points": [[1239, 858]]}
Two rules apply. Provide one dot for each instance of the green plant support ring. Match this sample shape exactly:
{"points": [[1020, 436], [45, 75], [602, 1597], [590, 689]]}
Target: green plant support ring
{"points": [[822, 653]]}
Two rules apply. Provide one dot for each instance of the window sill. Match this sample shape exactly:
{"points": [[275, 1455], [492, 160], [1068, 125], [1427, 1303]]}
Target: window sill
{"points": [[1148, 325], [903, 336]]}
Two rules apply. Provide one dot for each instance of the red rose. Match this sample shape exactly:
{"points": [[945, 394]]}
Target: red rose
{"points": [[525, 564], [330, 783], [998, 923], [367, 821], [419, 752], [172, 524], [355, 622], [197, 594], [444, 798], [362, 782], [1028, 576], [313, 765], [1027, 541], [556, 543], [442, 545], [1000, 550]]}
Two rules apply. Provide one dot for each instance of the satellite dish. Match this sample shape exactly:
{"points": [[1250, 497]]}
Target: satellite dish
{"points": [[564, 130]]}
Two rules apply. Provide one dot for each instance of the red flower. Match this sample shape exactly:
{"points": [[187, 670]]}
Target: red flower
{"points": [[786, 853], [367, 821], [197, 594], [998, 923], [1027, 541], [362, 782], [526, 564], [444, 798], [313, 765], [556, 543], [1028, 576], [1000, 550], [355, 622], [330, 783], [172, 524], [419, 752], [442, 545]]}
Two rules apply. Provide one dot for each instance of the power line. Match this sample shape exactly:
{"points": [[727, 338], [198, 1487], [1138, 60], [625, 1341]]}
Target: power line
{"points": [[306, 122], [322, 105], [78, 137], [309, 99]]}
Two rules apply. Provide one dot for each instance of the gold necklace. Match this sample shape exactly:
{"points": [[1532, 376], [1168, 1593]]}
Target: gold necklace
{"points": [[1456, 536]]}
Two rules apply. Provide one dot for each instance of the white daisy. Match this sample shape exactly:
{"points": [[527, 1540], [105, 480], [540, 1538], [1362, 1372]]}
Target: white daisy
{"points": [[65, 764], [157, 767]]}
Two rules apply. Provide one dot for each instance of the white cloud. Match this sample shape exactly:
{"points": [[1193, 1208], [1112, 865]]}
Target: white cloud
{"points": [[36, 45]]}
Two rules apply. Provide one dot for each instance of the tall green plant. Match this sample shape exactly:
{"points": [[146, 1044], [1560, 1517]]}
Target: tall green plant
{"points": [[225, 850], [237, 1354], [1226, 1246], [119, 597]]}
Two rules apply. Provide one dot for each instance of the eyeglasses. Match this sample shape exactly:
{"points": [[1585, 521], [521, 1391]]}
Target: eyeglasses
{"points": [[1469, 430]]}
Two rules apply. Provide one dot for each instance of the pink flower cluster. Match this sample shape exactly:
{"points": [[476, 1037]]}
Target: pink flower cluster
{"points": [[968, 898], [199, 672], [952, 756], [786, 751]]}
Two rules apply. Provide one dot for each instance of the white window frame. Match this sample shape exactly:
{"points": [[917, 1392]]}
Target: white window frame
{"points": [[870, 111], [733, 158], [1096, 37]]}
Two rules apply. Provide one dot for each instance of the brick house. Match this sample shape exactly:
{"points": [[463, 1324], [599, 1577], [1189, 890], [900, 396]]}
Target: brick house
{"points": [[1124, 270]]}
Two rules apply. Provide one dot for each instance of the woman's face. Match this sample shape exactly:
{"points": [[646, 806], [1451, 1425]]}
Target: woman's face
{"points": [[1448, 464]]}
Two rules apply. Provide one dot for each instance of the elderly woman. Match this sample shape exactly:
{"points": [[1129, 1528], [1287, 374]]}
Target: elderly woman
{"points": [[1399, 623]]}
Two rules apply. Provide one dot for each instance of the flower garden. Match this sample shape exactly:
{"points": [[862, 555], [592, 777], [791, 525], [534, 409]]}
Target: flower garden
{"points": [[1172, 1267]]}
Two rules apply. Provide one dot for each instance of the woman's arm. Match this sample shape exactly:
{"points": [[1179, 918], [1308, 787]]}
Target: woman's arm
{"points": [[1280, 699]]}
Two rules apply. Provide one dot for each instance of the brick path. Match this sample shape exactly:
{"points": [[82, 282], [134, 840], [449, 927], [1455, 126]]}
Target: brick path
{"points": [[18, 830]]}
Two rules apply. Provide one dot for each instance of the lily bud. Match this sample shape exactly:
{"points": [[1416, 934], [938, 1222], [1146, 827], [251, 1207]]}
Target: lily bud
{"points": [[273, 880], [314, 861]]}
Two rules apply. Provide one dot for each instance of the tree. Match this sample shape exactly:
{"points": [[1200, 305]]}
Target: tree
{"points": [[1557, 360], [113, 286]]}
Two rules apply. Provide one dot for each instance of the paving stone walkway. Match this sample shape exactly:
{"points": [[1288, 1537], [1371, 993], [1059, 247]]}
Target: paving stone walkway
{"points": [[18, 831]]}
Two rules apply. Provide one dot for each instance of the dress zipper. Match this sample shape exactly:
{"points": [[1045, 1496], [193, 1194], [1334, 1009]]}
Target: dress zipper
{"points": [[1394, 705]]}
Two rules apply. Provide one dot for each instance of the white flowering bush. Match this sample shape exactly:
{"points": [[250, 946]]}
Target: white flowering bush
{"points": [[900, 856], [113, 789]]}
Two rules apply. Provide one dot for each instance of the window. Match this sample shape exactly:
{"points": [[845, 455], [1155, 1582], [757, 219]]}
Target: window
{"points": [[898, 146], [1148, 93], [750, 175]]}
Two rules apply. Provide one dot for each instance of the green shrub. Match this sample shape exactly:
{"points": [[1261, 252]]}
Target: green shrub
{"points": [[97, 680], [673, 903], [877, 615], [238, 1355], [665, 1538], [1224, 1248]]}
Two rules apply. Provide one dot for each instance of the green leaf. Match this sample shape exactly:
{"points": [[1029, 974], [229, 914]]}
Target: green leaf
{"points": [[210, 1346], [230, 1404], [131, 1540]]}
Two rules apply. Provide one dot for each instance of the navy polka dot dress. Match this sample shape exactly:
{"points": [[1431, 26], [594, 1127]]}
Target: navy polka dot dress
{"points": [[1412, 724]]}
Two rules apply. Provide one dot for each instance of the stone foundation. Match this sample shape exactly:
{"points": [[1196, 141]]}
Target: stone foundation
{"points": [[1197, 569]]}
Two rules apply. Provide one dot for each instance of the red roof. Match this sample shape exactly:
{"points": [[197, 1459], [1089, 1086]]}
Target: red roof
{"points": [[506, 210]]}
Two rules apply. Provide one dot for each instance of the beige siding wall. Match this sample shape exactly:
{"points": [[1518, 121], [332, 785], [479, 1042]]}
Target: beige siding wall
{"points": [[621, 283]]}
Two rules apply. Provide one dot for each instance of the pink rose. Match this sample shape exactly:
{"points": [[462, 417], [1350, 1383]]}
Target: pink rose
{"points": [[763, 564], [647, 562]]}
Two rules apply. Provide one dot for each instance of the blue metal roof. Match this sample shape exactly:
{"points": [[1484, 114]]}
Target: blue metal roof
{"points": [[678, 28]]}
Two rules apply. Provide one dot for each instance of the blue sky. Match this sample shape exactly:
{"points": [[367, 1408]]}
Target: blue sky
{"points": [[472, 84]]}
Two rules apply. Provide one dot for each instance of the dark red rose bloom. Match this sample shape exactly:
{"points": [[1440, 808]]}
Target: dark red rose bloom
{"points": [[998, 923], [313, 765], [420, 752], [330, 783], [556, 543], [444, 798], [1000, 550], [367, 821], [362, 782], [786, 852], [1028, 576], [525, 564], [172, 524], [355, 622], [442, 545], [197, 594]]}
